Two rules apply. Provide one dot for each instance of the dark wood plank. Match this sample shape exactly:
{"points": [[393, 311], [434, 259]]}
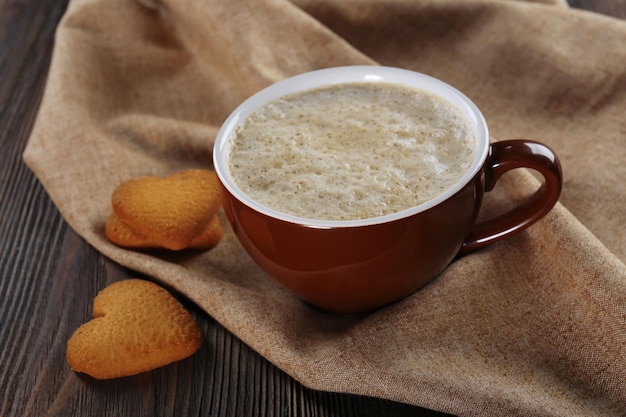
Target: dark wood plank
{"points": [[614, 8], [49, 276]]}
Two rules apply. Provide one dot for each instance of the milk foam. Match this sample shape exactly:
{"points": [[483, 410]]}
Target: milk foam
{"points": [[351, 151]]}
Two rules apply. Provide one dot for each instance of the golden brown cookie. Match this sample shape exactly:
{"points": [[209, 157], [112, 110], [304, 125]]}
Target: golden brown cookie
{"points": [[209, 237], [176, 212], [137, 326], [119, 233]]}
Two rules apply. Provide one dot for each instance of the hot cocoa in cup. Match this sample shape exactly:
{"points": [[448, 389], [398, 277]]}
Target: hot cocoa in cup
{"points": [[355, 186]]}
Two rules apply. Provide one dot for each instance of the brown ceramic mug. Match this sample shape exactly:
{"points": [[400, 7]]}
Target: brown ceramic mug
{"points": [[355, 266]]}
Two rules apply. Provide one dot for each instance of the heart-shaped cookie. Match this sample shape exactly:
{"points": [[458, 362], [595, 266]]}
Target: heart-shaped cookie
{"points": [[121, 234], [175, 213], [137, 326]]}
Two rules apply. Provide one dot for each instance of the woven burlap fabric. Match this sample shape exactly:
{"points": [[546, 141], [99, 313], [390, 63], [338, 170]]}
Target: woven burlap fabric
{"points": [[532, 326]]}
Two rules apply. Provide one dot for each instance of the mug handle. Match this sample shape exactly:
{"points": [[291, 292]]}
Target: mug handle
{"points": [[505, 156]]}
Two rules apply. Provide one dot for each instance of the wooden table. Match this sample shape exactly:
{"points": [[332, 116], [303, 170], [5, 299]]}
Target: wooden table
{"points": [[42, 259]]}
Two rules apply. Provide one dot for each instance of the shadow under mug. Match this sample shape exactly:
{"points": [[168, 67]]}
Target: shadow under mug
{"points": [[356, 266]]}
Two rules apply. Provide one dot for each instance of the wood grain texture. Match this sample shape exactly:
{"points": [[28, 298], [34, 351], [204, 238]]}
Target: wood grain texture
{"points": [[49, 277], [615, 8]]}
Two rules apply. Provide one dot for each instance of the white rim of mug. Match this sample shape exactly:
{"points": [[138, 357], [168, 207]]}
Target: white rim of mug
{"points": [[337, 75]]}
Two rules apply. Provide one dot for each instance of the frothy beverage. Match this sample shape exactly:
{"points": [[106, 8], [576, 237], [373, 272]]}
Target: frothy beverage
{"points": [[351, 151]]}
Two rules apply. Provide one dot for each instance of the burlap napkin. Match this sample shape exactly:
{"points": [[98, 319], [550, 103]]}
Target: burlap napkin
{"points": [[533, 326]]}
